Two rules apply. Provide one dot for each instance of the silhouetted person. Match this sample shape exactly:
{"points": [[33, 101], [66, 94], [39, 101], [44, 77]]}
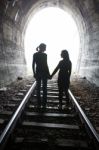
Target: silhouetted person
{"points": [[41, 72], [64, 68]]}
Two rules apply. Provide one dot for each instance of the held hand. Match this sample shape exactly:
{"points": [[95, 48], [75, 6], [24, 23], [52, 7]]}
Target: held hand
{"points": [[51, 76], [48, 77]]}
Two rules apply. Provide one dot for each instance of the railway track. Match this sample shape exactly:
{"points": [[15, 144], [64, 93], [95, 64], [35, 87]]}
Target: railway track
{"points": [[47, 129]]}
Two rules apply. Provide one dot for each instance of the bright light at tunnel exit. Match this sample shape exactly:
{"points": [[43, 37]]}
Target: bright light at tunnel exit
{"points": [[58, 30]]}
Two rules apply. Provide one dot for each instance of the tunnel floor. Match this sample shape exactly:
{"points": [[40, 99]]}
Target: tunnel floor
{"points": [[87, 95]]}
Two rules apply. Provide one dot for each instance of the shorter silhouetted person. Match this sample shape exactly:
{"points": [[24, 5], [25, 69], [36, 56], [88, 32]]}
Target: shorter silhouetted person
{"points": [[41, 73], [64, 68]]}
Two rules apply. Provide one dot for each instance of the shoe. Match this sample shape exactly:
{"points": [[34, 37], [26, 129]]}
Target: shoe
{"points": [[67, 103], [44, 107], [60, 107], [38, 107]]}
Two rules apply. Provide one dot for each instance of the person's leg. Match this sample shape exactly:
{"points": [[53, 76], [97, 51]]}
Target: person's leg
{"points": [[38, 92], [67, 96], [44, 82], [60, 88], [60, 97]]}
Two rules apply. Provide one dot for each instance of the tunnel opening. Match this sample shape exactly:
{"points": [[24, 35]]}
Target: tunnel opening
{"points": [[58, 30]]}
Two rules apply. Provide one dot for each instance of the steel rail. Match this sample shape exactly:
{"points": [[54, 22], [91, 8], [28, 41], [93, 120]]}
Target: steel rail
{"points": [[11, 124], [85, 118]]}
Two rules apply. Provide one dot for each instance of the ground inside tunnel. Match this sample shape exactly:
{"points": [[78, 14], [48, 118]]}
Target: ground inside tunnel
{"points": [[86, 93]]}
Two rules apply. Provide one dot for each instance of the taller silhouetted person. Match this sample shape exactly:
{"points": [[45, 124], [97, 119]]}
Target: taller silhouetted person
{"points": [[41, 73], [64, 68]]}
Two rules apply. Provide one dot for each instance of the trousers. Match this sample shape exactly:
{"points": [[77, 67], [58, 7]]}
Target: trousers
{"points": [[44, 89]]}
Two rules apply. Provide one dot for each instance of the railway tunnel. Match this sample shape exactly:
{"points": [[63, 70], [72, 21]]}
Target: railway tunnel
{"points": [[18, 102], [15, 16]]}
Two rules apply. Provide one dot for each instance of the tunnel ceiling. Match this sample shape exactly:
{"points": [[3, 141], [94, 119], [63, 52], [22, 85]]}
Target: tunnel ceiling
{"points": [[15, 16]]}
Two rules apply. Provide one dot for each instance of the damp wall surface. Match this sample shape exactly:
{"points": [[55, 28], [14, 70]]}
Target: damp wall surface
{"points": [[12, 60]]}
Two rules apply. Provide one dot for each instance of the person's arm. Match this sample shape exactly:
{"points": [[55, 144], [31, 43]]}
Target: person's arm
{"points": [[48, 73], [70, 69], [33, 66], [55, 70]]}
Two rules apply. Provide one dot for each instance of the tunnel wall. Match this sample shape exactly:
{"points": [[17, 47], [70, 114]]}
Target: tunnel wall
{"points": [[89, 54], [12, 60]]}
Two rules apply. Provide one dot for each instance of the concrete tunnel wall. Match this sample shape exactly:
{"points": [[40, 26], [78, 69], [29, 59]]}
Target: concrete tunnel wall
{"points": [[15, 16]]}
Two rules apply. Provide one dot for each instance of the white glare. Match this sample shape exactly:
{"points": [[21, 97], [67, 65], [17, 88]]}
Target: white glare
{"points": [[58, 31]]}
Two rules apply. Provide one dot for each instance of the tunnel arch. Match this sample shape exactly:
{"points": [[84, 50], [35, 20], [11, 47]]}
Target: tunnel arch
{"points": [[15, 16]]}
